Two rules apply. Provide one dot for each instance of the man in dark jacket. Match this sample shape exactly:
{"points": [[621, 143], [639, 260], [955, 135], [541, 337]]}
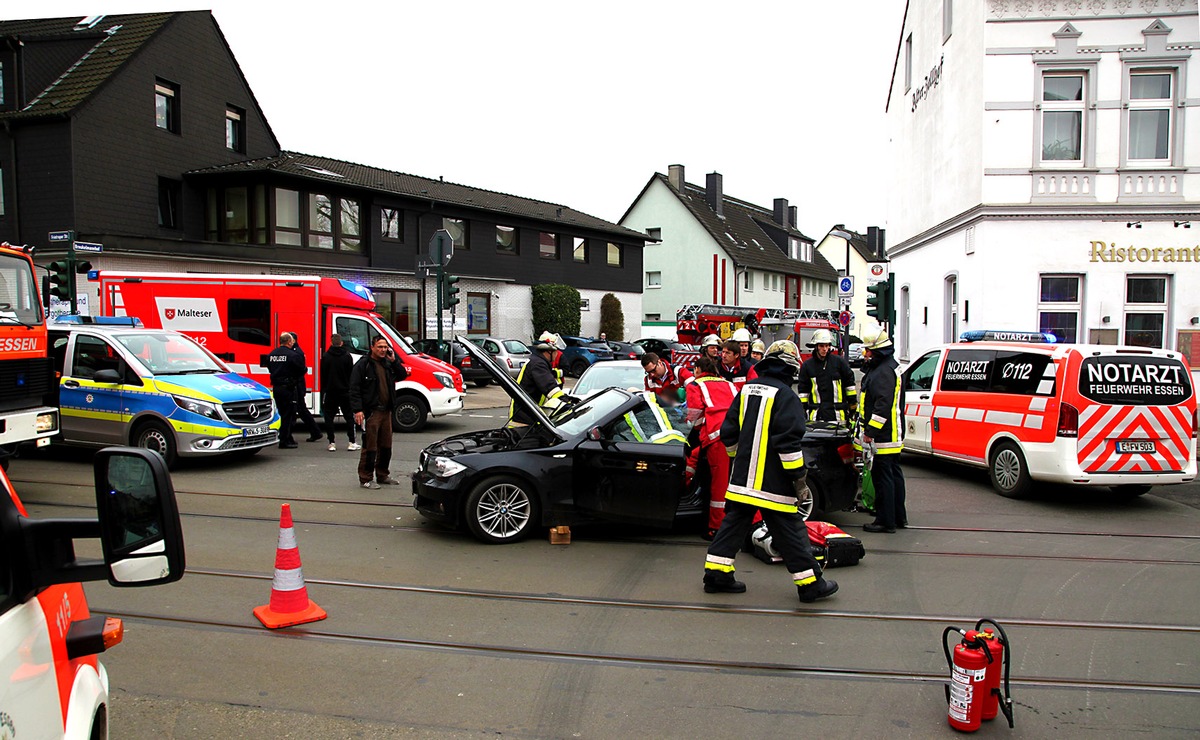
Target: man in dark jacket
{"points": [[732, 367], [336, 365], [762, 433], [826, 382], [540, 382], [883, 430], [373, 401], [314, 431], [286, 367]]}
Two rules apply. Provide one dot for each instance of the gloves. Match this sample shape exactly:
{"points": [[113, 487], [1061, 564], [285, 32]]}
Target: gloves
{"points": [[801, 488], [868, 453]]}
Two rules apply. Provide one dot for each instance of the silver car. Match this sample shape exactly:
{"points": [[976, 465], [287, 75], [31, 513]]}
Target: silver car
{"points": [[510, 354], [612, 374]]}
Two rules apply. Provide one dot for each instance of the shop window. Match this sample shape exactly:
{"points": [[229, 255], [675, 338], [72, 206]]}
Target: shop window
{"points": [[1059, 306], [479, 313], [1145, 310]]}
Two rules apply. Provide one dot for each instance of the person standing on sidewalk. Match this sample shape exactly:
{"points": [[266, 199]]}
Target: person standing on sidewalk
{"points": [[286, 367], [336, 365], [883, 430], [314, 431], [372, 401]]}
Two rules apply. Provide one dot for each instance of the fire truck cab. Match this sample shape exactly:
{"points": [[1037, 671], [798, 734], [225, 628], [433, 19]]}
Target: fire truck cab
{"points": [[1027, 409], [51, 684]]}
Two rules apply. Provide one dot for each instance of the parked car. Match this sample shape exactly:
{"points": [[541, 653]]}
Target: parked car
{"points": [[604, 375], [625, 350], [581, 353], [667, 349], [577, 465], [510, 354], [855, 354], [460, 359]]}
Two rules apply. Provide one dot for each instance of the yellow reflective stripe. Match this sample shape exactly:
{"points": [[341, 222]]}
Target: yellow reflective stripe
{"points": [[792, 460], [890, 451], [730, 450], [720, 568], [631, 420], [876, 422], [852, 391], [762, 503], [804, 578], [793, 465], [556, 393], [764, 426], [896, 409], [718, 563]]}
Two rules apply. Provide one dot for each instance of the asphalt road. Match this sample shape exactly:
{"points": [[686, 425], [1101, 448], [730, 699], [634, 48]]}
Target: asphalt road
{"points": [[431, 634]]}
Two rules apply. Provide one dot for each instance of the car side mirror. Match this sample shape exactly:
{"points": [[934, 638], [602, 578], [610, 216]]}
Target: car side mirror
{"points": [[107, 376], [139, 518]]}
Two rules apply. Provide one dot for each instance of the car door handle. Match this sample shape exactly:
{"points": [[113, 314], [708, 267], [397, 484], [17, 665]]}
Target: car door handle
{"points": [[924, 396], [663, 467], [70, 383]]}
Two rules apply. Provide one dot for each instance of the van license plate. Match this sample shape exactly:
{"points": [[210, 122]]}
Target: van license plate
{"points": [[255, 431], [1135, 446]]}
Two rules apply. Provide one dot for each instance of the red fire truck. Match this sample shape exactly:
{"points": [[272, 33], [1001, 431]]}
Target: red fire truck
{"points": [[239, 318], [696, 321]]}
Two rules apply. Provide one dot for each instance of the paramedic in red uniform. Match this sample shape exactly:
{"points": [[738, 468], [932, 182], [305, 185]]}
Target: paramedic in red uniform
{"points": [[883, 429], [826, 383], [665, 381], [762, 433], [708, 400]]}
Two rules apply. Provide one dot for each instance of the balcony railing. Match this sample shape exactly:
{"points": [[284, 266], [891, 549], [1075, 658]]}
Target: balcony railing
{"points": [[1149, 185], [1063, 185]]}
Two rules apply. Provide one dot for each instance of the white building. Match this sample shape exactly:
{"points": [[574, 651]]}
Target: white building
{"points": [[707, 247], [1046, 171]]}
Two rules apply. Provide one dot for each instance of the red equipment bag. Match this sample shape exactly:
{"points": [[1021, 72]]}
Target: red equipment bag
{"points": [[832, 547]]}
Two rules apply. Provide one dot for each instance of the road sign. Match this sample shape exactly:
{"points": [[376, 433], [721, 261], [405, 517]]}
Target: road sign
{"points": [[845, 301], [61, 236], [441, 247], [846, 286], [879, 273], [88, 247], [426, 267], [844, 318]]}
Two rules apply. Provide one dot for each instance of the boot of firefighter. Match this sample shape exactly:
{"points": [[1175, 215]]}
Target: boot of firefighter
{"points": [[716, 582], [819, 590]]}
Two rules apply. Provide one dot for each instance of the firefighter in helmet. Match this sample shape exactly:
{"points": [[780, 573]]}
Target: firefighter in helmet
{"points": [[883, 429], [743, 338], [711, 347], [757, 350], [762, 433], [826, 382], [539, 380]]}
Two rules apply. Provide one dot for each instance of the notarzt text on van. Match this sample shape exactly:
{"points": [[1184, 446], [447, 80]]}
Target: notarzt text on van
{"points": [[1120, 372]]}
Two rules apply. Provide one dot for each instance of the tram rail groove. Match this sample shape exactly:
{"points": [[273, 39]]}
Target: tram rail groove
{"points": [[659, 662]]}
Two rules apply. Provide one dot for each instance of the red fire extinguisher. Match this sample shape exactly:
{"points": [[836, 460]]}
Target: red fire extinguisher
{"points": [[974, 693]]}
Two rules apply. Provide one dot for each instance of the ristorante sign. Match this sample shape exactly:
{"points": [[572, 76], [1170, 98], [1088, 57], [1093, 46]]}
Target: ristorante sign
{"points": [[1110, 252]]}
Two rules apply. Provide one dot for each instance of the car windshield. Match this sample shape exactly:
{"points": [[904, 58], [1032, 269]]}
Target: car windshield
{"points": [[170, 354], [592, 412], [609, 375], [514, 347], [396, 339]]}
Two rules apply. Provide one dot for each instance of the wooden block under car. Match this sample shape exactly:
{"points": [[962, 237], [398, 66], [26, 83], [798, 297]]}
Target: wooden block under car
{"points": [[560, 535]]}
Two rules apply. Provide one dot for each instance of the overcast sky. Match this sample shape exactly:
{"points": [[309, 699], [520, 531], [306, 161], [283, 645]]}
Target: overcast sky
{"points": [[577, 103]]}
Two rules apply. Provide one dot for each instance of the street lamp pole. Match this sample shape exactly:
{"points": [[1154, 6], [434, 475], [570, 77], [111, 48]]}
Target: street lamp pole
{"points": [[840, 231]]}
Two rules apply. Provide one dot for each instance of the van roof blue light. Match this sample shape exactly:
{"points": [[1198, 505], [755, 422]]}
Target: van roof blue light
{"points": [[1000, 335]]}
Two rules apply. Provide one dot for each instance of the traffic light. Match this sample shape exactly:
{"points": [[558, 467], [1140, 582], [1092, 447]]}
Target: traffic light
{"points": [[878, 301], [62, 280], [82, 267], [449, 291]]}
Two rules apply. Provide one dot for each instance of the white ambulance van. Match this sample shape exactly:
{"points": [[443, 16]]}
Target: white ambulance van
{"points": [[1028, 409], [51, 684]]}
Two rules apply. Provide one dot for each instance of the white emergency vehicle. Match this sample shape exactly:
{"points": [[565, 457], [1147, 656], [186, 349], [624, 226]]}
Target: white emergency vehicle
{"points": [[51, 684], [1031, 410]]}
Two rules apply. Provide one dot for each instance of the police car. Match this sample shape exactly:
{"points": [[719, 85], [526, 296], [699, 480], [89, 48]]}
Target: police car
{"points": [[1028, 409], [120, 383], [51, 684]]}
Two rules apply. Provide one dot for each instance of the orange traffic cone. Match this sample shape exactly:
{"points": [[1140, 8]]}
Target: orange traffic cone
{"points": [[290, 604]]}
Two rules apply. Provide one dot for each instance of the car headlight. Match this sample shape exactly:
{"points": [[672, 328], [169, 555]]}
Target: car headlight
{"points": [[444, 379], [197, 407], [443, 467]]}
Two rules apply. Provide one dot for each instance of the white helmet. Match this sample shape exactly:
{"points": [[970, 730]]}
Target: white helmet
{"points": [[874, 337], [712, 340], [742, 335], [820, 336], [764, 550], [554, 340]]}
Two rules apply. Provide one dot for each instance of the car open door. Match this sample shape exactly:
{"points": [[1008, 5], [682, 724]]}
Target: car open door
{"points": [[919, 410]]}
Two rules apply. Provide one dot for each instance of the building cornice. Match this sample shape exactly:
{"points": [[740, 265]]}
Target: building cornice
{"points": [[1007, 11]]}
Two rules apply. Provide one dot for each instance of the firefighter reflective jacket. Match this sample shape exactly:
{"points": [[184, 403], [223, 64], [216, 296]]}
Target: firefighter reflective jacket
{"points": [[883, 404], [649, 423], [708, 400], [826, 388], [762, 433], [540, 382]]}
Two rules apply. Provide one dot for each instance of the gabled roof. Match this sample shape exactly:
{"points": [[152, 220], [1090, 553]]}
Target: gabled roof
{"points": [[113, 41], [740, 232], [859, 242], [373, 179]]}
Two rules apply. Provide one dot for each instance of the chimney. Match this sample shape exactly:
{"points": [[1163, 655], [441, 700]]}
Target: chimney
{"points": [[713, 192], [792, 217], [675, 176], [875, 241], [781, 209]]}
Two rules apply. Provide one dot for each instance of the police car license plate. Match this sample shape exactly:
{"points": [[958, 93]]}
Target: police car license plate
{"points": [[255, 431], [1125, 445]]}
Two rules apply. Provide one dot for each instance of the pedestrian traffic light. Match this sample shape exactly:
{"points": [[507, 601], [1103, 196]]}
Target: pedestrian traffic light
{"points": [[62, 280], [450, 291], [877, 301]]}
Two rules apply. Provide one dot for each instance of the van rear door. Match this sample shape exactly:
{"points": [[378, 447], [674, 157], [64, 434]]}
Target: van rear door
{"points": [[1136, 413]]}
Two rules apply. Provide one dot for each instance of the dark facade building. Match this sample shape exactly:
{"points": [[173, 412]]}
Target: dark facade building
{"points": [[141, 133]]}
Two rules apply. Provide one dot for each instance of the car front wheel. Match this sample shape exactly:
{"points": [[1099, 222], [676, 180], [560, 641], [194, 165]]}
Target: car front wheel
{"points": [[153, 435], [410, 414], [502, 509], [1009, 473]]}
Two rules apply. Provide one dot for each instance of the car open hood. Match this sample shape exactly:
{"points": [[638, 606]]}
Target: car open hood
{"points": [[505, 381]]}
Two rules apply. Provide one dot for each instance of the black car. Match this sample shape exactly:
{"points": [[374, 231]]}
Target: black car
{"points": [[471, 372], [580, 466], [666, 349], [625, 350]]}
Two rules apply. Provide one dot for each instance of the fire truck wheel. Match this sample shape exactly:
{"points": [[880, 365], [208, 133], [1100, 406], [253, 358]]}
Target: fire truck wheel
{"points": [[154, 436], [1010, 474], [410, 414], [1131, 491], [502, 509]]}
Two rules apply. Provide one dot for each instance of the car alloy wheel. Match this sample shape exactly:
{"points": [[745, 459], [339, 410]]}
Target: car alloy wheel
{"points": [[501, 509]]}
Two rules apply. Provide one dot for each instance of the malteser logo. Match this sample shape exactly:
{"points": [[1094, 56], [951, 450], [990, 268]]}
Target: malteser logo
{"points": [[189, 314], [170, 314], [185, 313]]}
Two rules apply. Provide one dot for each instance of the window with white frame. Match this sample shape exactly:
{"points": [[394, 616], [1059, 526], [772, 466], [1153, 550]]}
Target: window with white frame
{"points": [[654, 279], [748, 280], [1063, 104], [1145, 310], [793, 248], [1059, 304], [950, 331], [1151, 118]]}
